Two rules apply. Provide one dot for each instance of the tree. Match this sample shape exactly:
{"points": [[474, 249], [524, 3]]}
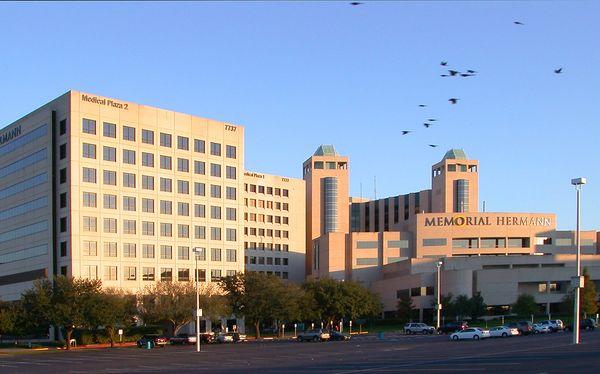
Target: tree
{"points": [[525, 305], [448, 309], [462, 306], [8, 317], [171, 303], [406, 308], [589, 296], [114, 308], [478, 307]]}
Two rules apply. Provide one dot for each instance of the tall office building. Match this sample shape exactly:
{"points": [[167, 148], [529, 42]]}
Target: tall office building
{"points": [[102, 188]]}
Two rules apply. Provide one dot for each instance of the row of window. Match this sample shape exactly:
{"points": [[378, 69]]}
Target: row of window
{"points": [[416, 291], [253, 217], [253, 203], [89, 200], [130, 273], [279, 274], [267, 246], [266, 232], [165, 140], [266, 190], [259, 260], [165, 252], [479, 242]]}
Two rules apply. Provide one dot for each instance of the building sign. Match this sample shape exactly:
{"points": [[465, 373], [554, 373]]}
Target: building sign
{"points": [[104, 101], [10, 135], [255, 175], [488, 221]]}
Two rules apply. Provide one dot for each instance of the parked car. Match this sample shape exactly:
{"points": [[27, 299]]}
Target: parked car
{"points": [[237, 337], [316, 335], [418, 328], [207, 337], [183, 339], [524, 327], [224, 337], [539, 328], [155, 341], [336, 335], [451, 327], [584, 324], [503, 332], [555, 324], [470, 334]]}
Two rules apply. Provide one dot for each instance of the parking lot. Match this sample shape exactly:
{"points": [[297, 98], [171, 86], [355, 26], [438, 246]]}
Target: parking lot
{"points": [[546, 353]]}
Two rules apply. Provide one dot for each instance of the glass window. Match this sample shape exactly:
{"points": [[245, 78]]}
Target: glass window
{"points": [[166, 274], [166, 229], [200, 167], [90, 248], [110, 177], [200, 253], [129, 250], [110, 130], [215, 149], [148, 228], [230, 214], [183, 165], [62, 151], [110, 249], [230, 151], [110, 225], [147, 182], [183, 275], [215, 191], [215, 254], [89, 224], [183, 253], [89, 199], [215, 170], [231, 235], [166, 252], [147, 273], [129, 156], [129, 226], [148, 251], [110, 154], [183, 209], [89, 150], [230, 193], [434, 242], [63, 127], [89, 175], [199, 146], [165, 162], [89, 126], [147, 159], [166, 185], [128, 133], [147, 136], [230, 172], [215, 212], [129, 180], [199, 189], [183, 143], [200, 232], [165, 140], [147, 205], [200, 210], [215, 233], [215, 275], [183, 231], [166, 207], [129, 272], [183, 187]]}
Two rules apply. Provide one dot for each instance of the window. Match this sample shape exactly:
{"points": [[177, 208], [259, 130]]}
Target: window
{"points": [[165, 162], [166, 185], [403, 243], [201, 275], [165, 140], [183, 253], [129, 180], [215, 212], [110, 249], [147, 205], [128, 133], [215, 254], [148, 228], [109, 154], [215, 170], [183, 209], [166, 207], [110, 130], [89, 199], [147, 274], [230, 193], [128, 157], [129, 203], [230, 214], [110, 177], [230, 151], [231, 235], [62, 151], [183, 143], [129, 272], [199, 146], [183, 187], [215, 233], [129, 250], [215, 191], [166, 274], [465, 243], [63, 200], [63, 175], [183, 275], [230, 255], [90, 248], [215, 149], [129, 226], [286, 193], [434, 242], [493, 243], [110, 273], [147, 182], [230, 172], [110, 225], [166, 229], [200, 167], [215, 275], [63, 127], [147, 136], [148, 250], [200, 232], [542, 287], [367, 244], [518, 242], [200, 253], [89, 271], [147, 159], [183, 231], [89, 126], [166, 252], [199, 189], [89, 150], [89, 224], [183, 165], [200, 210]]}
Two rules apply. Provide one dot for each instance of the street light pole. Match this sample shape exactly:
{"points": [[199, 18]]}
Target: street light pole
{"points": [[196, 251], [439, 294], [578, 281]]}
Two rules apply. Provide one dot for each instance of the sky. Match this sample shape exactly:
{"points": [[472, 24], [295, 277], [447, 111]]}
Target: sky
{"points": [[300, 74]]}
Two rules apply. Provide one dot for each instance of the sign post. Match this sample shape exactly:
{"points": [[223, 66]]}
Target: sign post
{"points": [[121, 336]]}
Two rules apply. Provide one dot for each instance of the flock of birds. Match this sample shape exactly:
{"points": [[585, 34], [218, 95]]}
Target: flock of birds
{"points": [[452, 73]]}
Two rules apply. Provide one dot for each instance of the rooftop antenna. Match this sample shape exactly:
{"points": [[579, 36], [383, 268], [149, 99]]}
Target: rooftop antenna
{"points": [[375, 186], [483, 206]]}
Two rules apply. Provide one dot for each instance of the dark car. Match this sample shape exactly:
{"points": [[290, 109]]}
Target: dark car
{"points": [[207, 337], [153, 339], [336, 335], [183, 339], [524, 327], [584, 324], [451, 327]]}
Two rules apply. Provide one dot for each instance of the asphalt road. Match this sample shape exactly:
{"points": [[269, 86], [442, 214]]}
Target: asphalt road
{"points": [[551, 353]]}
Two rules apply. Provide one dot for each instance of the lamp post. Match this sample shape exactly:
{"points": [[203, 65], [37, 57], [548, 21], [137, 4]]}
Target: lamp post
{"points": [[438, 306], [196, 253], [577, 281]]}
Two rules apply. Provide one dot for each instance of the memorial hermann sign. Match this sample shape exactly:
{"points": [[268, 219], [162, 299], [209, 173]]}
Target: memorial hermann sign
{"points": [[10, 135], [487, 221]]}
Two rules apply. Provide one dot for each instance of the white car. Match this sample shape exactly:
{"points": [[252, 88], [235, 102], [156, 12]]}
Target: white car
{"points": [[420, 328], [471, 333], [224, 338], [554, 324], [539, 328], [503, 332]]}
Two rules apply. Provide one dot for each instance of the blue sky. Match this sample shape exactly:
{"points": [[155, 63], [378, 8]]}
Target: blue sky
{"points": [[298, 74]]}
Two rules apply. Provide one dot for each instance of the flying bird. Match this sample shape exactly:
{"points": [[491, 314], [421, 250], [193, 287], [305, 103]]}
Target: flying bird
{"points": [[453, 72], [444, 75], [453, 100], [444, 63], [432, 120], [427, 125], [558, 71], [518, 23], [422, 105], [466, 75], [404, 132], [354, 3], [433, 145], [471, 72]]}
